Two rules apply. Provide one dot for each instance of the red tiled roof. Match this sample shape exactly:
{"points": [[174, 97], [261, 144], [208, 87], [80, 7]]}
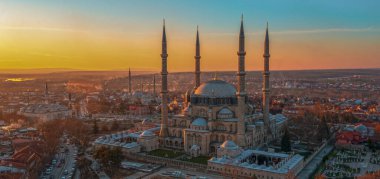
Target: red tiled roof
{"points": [[20, 165], [349, 137], [25, 154]]}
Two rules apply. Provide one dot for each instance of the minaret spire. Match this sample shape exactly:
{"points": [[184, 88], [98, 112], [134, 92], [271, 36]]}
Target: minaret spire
{"points": [[241, 93], [164, 90], [241, 60], [266, 43], [197, 61], [266, 85], [241, 36], [129, 81], [164, 50]]}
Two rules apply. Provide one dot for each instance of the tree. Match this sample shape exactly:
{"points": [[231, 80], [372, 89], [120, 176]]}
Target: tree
{"points": [[285, 142], [371, 145], [115, 125], [101, 154], [324, 131], [109, 158], [95, 127], [115, 157], [105, 128], [122, 108]]}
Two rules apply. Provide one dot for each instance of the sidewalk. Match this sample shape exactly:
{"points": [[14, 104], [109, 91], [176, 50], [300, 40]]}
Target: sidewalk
{"points": [[308, 170]]}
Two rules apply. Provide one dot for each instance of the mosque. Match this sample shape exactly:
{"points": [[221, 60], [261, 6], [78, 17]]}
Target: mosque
{"points": [[217, 113], [217, 120]]}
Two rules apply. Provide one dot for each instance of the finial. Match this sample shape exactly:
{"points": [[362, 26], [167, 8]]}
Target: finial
{"points": [[241, 27], [164, 22], [197, 27]]}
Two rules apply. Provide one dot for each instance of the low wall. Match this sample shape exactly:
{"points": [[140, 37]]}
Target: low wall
{"points": [[167, 162]]}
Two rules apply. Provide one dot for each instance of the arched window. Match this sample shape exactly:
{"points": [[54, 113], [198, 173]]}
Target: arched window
{"points": [[179, 133], [220, 127], [203, 113]]}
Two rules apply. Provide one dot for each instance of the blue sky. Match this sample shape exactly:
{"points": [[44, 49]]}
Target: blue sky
{"points": [[285, 14]]}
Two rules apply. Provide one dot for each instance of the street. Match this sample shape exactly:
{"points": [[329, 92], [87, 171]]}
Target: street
{"points": [[64, 163]]}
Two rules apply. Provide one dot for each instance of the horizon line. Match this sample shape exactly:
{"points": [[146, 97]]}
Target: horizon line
{"points": [[64, 70]]}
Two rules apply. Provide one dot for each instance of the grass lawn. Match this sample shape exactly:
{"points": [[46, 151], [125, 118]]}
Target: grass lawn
{"points": [[165, 153], [200, 159]]}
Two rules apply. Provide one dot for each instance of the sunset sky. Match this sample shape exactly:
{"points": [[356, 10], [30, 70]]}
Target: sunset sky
{"points": [[115, 35]]}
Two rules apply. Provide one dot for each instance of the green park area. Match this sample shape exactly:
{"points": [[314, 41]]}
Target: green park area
{"points": [[165, 153], [200, 159]]}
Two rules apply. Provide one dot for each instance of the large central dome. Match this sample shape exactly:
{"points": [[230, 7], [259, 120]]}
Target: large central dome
{"points": [[216, 88]]}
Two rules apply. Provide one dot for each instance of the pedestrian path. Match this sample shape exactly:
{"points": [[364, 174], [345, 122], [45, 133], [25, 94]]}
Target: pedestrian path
{"points": [[309, 169]]}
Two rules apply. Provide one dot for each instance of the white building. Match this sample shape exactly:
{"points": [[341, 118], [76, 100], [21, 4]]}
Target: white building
{"points": [[231, 160], [46, 112]]}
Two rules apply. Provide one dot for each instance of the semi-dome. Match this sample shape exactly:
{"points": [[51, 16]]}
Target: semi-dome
{"points": [[216, 88], [225, 113], [146, 134], [230, 145], [199, 122]]}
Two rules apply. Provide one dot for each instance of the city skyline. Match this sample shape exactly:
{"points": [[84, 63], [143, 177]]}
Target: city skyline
{"points": [[117, 35]]}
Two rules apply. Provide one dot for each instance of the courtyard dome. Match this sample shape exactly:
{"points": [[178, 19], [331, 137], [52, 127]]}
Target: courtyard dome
{"points": [[199, 122], [195, 147], [215, 88], [230, 145], [146, 134]]}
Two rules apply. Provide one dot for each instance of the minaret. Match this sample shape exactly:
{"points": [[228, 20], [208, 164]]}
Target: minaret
{"points": [[70, 104], [130, 82], [141, 85], [46, 93], [266, 86], [197, 62], [241, 93], [164, 90], [154, 85], [28, 97]]}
